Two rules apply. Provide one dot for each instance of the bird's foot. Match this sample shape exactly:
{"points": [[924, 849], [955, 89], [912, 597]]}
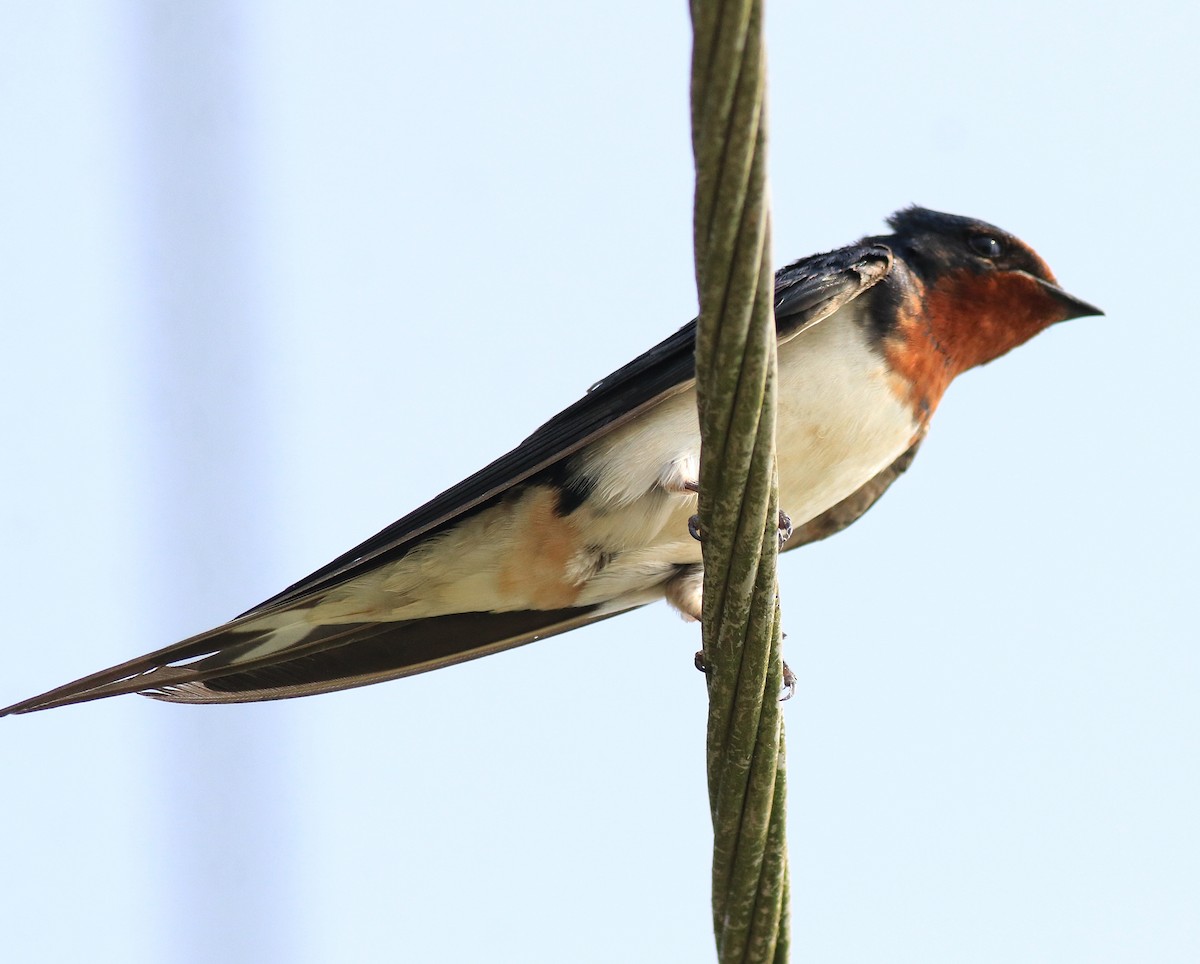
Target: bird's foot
{"points": [[789, 678], [789, 684], [785, 529]]}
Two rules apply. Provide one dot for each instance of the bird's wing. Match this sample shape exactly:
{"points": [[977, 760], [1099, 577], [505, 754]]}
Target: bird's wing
{"points": [[443, 640], [229, 663], [805, 293]]}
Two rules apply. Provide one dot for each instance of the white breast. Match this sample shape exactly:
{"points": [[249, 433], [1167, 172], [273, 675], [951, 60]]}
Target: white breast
{"points": [[839, 422]]}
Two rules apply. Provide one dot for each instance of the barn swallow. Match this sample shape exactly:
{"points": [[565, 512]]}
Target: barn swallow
{"points": [[589, 516]]}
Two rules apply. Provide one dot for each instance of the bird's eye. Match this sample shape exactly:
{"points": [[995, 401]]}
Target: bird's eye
{"points": [[986, 246]]}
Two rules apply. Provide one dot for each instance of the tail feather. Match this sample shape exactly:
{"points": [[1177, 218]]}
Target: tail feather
{"points": [[194, 647], [228, 655], [390, 651], [236, 663]]}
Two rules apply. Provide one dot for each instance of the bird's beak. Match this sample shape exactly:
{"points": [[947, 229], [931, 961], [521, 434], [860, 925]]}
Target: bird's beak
{"points": [[1071, 306]]}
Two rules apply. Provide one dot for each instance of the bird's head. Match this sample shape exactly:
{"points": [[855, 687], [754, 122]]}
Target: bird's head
{"points": [[981, 291]]}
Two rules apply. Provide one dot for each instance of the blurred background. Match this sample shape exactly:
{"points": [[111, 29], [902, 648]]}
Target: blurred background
{"points": [[273, 274]]}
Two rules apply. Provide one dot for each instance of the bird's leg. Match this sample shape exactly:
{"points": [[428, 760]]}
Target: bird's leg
{"points": [[689, 487], [685, 593], [684, 590]]}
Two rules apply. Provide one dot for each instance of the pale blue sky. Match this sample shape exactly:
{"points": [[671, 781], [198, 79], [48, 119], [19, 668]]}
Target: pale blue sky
{"points": [[273, 274]]}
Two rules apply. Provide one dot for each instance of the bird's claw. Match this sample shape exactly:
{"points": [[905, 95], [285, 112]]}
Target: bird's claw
{"points": [[789, 684], [789, 678], [785, 529]]}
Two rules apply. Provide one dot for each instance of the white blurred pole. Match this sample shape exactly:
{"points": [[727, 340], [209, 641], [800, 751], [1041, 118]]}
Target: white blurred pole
{"points": [[224, 849]]}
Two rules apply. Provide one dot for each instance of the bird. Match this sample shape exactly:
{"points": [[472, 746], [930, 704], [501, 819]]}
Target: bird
{"points": [[593, 515]]}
